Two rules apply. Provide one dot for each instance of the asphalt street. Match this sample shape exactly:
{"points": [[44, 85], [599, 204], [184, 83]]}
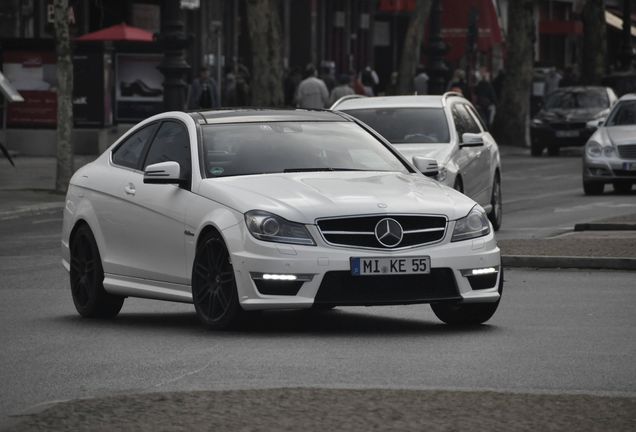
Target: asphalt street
{"points": [[556, 331], [543, 196]]}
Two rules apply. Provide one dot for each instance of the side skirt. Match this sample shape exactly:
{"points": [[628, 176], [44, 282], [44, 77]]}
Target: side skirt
{"points": [[145, 288]]}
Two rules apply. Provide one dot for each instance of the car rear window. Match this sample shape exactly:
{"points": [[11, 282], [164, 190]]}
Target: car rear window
{"points": [[406, 125], [278, 147]]}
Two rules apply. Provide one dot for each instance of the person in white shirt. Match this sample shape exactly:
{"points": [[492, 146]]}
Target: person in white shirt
{"points": [[312, 92]]}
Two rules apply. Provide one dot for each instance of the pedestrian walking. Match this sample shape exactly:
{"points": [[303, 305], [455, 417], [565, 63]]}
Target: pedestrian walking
{"points": [[203, 92], [458, 82], [485, 97], [342, 89], [312, 92], [552, 80], [420, 82]]}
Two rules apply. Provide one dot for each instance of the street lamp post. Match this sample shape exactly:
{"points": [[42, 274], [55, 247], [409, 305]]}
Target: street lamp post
{"points": [[173, 66], [438, 71]]}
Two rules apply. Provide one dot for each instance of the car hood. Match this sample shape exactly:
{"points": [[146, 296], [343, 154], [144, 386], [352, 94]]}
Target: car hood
{"points": [[619, 135], [440, 152], [304, 197], [569, 115]]}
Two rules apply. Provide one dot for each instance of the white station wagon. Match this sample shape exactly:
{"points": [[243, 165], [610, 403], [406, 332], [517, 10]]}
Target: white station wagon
{"points": [[243, 210], [445, 128]]}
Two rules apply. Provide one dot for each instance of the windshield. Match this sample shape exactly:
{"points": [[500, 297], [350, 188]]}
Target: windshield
{"points": [[406, 125], [584, 98], [624, 114], [278, 147]]}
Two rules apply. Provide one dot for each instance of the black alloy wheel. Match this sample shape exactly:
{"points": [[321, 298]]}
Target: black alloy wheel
{"points": [[214, 291], [622, 187], [468, 314], [593, 188], [496, 213], [553, 150], [87, 278], [536, 149]]}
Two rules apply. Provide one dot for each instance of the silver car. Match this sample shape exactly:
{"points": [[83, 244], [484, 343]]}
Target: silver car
{"points": [[445, 129], [610, 153]]}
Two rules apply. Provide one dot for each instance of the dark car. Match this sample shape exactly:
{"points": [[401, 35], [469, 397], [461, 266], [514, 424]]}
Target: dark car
{"points": [[569, 117]]}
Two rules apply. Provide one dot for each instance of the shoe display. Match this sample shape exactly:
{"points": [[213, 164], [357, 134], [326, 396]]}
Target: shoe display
{"points": [[138, 88]]}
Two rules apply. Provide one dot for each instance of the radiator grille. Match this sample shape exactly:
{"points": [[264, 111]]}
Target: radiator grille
{"points": [[360, 232]]}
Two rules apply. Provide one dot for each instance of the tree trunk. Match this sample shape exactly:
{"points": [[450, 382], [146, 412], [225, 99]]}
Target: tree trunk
{"points": [[594, 42], [264, 26], [412, 46], [64, 97], [511, 121]]}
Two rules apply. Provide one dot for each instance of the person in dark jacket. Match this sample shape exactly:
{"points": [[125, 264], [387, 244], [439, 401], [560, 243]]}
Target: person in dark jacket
{"points": [[485, 97], [203, 92]]}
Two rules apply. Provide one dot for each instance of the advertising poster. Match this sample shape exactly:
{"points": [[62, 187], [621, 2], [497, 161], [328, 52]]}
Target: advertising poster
{"points": [[33, 74], [88, 94], [138, 87]]}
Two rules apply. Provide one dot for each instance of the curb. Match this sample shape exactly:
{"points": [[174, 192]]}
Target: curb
{"points": [[605, 263], [605, 227], [31, 210]]}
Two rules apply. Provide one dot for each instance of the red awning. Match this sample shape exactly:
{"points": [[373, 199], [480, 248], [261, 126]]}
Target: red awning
{"points": [[119, 32], [455, 20]]}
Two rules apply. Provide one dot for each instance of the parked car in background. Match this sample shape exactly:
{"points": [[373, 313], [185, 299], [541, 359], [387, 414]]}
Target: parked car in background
{"points": [[242, 210], [445, 128], [569, 117], [610, 153]]}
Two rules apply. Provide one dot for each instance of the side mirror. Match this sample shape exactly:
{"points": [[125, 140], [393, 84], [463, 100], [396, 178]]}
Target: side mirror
{"points": [[426, 166], [471, 140], [593, 124], [164, 173]]}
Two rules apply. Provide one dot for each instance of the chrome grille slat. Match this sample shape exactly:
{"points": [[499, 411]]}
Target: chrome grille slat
{"points": [[355, 231], [627, 151]]}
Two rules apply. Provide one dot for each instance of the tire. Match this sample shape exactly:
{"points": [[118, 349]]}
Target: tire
{"points": [[87, 278], [536, 149], [459, 184], [553, 150], [496, 214], [593, 188], [467, 314], [622, 187], [214, 291]]}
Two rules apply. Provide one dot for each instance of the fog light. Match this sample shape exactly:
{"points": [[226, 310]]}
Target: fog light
{"points": [[288, 277], [479, 271]]}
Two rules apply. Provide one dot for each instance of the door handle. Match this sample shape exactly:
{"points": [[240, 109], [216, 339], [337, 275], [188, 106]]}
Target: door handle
{"points": [[129, 189]]}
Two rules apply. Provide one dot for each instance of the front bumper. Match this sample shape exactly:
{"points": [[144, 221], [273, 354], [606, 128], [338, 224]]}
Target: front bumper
{"points": [[608, 169], [547, 135], [323, 274]]}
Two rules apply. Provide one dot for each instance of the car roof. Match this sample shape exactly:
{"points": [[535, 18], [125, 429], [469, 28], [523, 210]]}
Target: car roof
{"points": [[628, 96], [256, 115], [419, 101]]}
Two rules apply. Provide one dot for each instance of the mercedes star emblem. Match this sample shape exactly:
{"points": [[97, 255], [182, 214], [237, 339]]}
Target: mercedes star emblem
{"points": [[389, 232]]}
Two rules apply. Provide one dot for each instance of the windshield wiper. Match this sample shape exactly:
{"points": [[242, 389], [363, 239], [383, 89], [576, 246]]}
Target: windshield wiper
{"points": [[293, 170]]}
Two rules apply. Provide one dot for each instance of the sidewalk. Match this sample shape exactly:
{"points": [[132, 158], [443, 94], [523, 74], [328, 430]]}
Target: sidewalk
{"points": [[605, 244]]}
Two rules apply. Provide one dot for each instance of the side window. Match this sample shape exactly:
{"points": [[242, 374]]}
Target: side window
{"points": [[478, 117], [129, 152], [171, 144], [470, 123], [460, 122]]}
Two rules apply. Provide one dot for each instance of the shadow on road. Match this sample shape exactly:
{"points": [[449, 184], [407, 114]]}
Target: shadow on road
{"points": [[326, 323]]}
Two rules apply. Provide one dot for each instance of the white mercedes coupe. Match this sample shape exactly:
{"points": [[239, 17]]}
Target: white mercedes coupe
{"points": [[243, 210]]}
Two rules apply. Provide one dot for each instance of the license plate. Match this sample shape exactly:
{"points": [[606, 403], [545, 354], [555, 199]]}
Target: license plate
{"points": [[372, 266], [567, 134], [629, 166]]}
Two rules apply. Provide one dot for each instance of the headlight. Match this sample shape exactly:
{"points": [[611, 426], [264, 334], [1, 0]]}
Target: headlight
{"points": [[474, 225], [537, 122], [269, 227], [593, 149], [608, 151], [441, 174]]}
